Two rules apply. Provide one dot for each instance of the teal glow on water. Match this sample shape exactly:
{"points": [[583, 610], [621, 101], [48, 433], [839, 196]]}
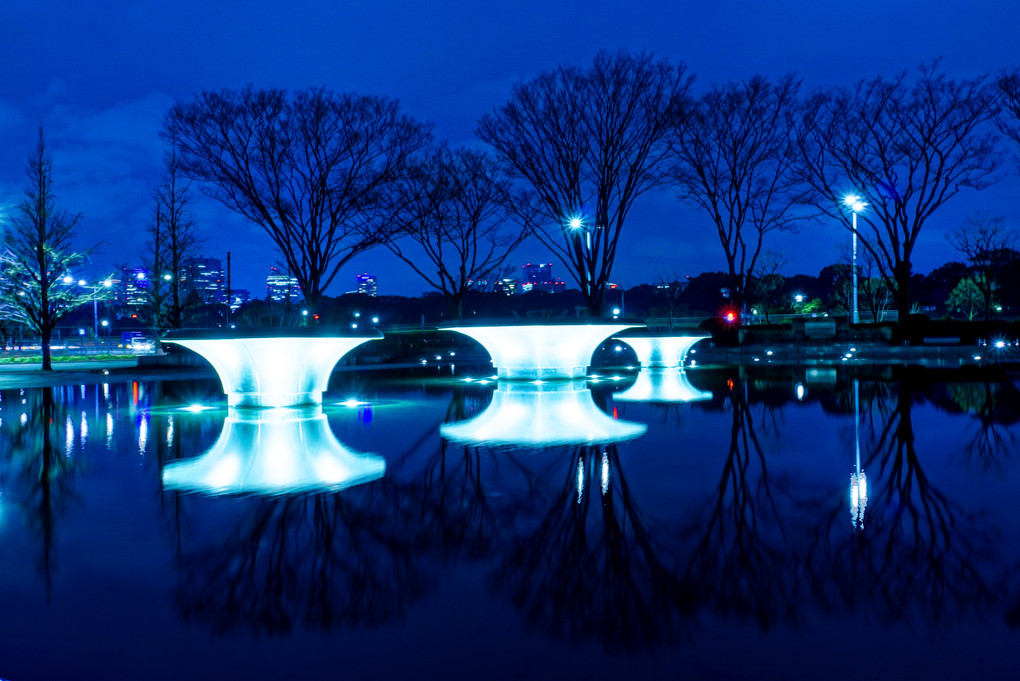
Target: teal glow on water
{"points": [[703, 539]]}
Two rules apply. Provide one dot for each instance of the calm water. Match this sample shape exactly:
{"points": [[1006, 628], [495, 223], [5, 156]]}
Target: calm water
{"points": [[715, 538]]}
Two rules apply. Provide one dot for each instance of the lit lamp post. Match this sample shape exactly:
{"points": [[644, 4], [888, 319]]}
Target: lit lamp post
{"points": [[856, 205]]}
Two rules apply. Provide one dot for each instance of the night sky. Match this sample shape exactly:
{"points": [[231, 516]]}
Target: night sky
{"points": [[100, 76]]}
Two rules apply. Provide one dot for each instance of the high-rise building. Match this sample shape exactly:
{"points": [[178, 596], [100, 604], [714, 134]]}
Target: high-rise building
{"points": [[539, 278], [367, 285], [534, 274], [507, 286], [134, 286], [238, 297], [282, 288], [205, 277]]}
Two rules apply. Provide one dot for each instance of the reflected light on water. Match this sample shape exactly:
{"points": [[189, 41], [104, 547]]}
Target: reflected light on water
{"points": [[549, 414], [858, 499], [68, 437], [662, 385], [83, 430], [170, 431], [580, 479], [143, 432], [605, 473], [109, 430], [274, 451]]}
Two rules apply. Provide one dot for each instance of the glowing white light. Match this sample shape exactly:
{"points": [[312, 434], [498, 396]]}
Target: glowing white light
{"points": [[375, 320], [662, 351], [801, 391], [109, 430], [274, 451], [768, 353], [195, 408], [68, 279], [83, 431], [854, 203], [858, 499], [541, 351], [605, 472], [69, 437], [170, 431], [24, 418], [661, 385], [274, 372], [550, 414], [353, 403], [1000, 344], [580, 479], [575, 222], [143, 433]]}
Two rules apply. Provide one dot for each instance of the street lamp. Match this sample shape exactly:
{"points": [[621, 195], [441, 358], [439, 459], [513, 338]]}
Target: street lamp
{"points": [[576, 223], [856, 205]]}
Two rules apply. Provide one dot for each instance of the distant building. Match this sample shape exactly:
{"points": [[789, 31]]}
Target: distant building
{"points": [[367, 285], [508, 286], [239, 297], [134, 286], [282, 288], [539, 278], [205, 277]]}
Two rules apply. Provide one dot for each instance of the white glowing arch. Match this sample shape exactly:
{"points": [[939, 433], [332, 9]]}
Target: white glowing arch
{"points": [[668, 384], [275, 371], [274, 451], [541, 415], [661, 351], [548, 351]]}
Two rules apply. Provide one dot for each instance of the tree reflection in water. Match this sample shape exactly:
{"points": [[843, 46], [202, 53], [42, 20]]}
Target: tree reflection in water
{"points": [[312, 560], [43, 475], [921, 554], [995, 405], [744, 556], [590, 568]]}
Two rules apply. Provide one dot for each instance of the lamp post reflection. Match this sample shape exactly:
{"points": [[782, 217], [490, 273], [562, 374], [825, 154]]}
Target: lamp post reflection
{"points": [[858, 480]]}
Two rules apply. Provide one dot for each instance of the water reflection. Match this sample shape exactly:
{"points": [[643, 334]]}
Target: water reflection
{"points": [[541, 414], [274, 451], [668, 385], [742, 539], [42, 472], [923, 555], [590, 567], [313, 561], [707, 529]]}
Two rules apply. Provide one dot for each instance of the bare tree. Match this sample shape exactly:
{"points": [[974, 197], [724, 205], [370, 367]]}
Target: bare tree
{"points": [[904, 148], [588, 142], [670, 286], [455, 205], [988, 245], [735, 158], [38, 256], [309, 168], [766, 287], [174, 239]]}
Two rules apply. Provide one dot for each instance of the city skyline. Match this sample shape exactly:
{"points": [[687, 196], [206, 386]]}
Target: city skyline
{"points": [[101, 82]]}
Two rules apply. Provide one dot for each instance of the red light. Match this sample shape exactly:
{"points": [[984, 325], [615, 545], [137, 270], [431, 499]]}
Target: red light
{"points": [[134, 316], [731, 317], [315, 316], [729, 383]]}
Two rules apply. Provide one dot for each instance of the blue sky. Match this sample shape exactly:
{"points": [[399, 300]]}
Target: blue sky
{"points": [[100, 75]]}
